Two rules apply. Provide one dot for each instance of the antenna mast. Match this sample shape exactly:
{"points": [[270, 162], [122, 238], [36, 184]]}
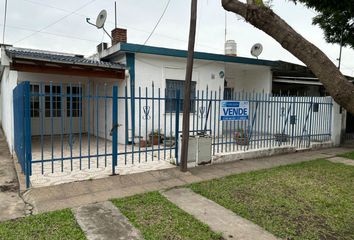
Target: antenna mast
{"points": [[3, 31], [115, 14]]}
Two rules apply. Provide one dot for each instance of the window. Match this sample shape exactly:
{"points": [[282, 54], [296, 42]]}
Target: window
{"points": [[34, 101], [76, 101], [54, 99], [172, 87]]}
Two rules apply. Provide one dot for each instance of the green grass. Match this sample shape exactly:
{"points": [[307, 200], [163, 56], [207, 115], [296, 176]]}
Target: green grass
{"points": [[311, 200], [157, 218], [53, 225], [349, 155]]}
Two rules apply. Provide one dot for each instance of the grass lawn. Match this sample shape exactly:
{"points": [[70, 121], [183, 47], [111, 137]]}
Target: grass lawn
{"points": [[310, 200], [157, 218], [349, 155], [52, 225]]}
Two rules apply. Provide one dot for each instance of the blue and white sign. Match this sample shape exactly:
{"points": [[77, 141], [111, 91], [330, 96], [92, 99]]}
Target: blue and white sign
{"points": [[234, 110]]}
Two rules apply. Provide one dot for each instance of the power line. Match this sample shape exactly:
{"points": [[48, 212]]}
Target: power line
{"points": [[51, 33], [3, 31], [55, 22], [123, 25], [158, 22]]}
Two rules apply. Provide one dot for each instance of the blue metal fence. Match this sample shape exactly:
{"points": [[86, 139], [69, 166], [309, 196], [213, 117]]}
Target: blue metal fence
{"points": [[22, 136], [94, 125]]}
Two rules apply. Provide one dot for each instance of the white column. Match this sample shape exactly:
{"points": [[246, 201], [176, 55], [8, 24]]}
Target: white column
{"points": [[336, 124]]}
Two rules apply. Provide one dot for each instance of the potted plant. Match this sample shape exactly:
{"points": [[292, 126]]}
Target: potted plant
{"points": [[169, 141], [281, 137], [241, 137], [140, 141], [154, 137]]}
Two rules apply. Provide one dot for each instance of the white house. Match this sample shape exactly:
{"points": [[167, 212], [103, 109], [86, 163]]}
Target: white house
{"points": [[67, 85]]}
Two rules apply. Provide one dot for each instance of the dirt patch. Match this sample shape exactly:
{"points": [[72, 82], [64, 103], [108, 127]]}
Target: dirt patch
{"points": [[9, 187]]}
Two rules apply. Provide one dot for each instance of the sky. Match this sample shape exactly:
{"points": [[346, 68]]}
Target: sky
{"points": [[60, 25]]}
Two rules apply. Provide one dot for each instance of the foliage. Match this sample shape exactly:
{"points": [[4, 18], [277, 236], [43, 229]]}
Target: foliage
{"points": [[158, 218], [310, 200], [335, 18], [52, 225]]}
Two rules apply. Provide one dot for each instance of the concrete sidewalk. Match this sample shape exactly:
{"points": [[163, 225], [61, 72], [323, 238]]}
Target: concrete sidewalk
{"points": [[218, 218], [81, 193]]}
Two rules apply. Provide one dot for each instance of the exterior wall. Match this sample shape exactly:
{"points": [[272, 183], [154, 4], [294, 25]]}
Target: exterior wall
{"points": [[98, 106], [8, 83], [249, 78], [156, 69]]}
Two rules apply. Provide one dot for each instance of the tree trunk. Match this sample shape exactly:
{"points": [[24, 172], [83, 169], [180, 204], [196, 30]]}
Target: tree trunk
{"points": [[266, 20]]}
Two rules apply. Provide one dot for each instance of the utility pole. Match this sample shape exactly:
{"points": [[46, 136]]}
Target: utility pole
{"points": [[187, 87]]}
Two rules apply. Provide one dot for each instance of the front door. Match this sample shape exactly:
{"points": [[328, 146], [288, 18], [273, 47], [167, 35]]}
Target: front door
{"points": [[56, 109], [53, 104]]}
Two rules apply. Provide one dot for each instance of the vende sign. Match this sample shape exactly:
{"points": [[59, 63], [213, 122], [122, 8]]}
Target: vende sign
{"points": [[234, 110]]}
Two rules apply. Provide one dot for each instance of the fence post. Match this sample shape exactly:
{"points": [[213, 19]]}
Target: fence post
{"points": [[28, 133], [177, 126], [114, 129], [336, 120], [310, 124]]}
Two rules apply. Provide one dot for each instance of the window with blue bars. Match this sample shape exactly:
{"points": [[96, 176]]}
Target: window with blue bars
{"points": [[172, 87]]}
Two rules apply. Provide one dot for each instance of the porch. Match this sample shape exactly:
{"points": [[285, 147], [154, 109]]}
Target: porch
{"points": [[60, 159]]}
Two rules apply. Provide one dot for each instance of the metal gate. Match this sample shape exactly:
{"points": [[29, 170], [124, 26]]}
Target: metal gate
{"points": [[22, 127], [107, 133]]}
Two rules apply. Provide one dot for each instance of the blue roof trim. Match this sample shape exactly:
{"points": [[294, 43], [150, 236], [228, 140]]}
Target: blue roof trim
{"points": [[137, 48]]}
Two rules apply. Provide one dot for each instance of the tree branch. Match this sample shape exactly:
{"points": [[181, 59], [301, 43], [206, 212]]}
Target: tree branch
{"points": [[266, 20]]}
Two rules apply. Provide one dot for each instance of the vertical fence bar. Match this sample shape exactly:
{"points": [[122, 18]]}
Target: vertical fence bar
{"points": [[178, 101], [28, 133], [171, 131], [62, 128], [88, 126], [105, 124], [219, 103], [97, 134], [159, 122], [80, 124], [146, 121], [152, 121], [164, 122], [71, 127], [214, 131], [139, 122], [126, 124], [51, 123], [41, 116], [114, 129]]}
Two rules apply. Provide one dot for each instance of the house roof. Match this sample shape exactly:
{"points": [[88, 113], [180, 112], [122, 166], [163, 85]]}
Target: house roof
{"points": [[55, 57], [137, 48]]}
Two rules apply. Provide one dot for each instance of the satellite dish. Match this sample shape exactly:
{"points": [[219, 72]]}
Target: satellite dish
{"points": [[101, 19], [256, 50]]}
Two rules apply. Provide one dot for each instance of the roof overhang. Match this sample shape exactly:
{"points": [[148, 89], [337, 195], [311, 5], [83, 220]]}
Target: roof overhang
{"points": [[120, 48], [27, 64]]}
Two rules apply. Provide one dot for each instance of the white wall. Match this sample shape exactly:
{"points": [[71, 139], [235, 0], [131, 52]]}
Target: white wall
{"points": [[151, 68], [8, 83], [248, 78]]}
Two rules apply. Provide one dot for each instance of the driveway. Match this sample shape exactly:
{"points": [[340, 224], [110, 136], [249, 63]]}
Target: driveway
{"points": [[11, 205]]}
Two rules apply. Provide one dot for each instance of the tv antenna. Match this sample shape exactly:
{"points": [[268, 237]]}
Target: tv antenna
{"points": [[100, 21], [256, 50]]}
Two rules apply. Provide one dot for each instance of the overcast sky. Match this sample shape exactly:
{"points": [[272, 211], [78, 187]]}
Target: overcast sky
{"points": [[59, 25]]}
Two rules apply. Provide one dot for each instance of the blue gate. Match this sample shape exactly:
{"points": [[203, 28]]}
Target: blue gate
{"points": [[22, 127], [85, 126]]}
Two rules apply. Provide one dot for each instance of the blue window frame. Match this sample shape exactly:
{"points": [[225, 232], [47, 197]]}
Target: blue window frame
{"points": [[172, 87]]}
